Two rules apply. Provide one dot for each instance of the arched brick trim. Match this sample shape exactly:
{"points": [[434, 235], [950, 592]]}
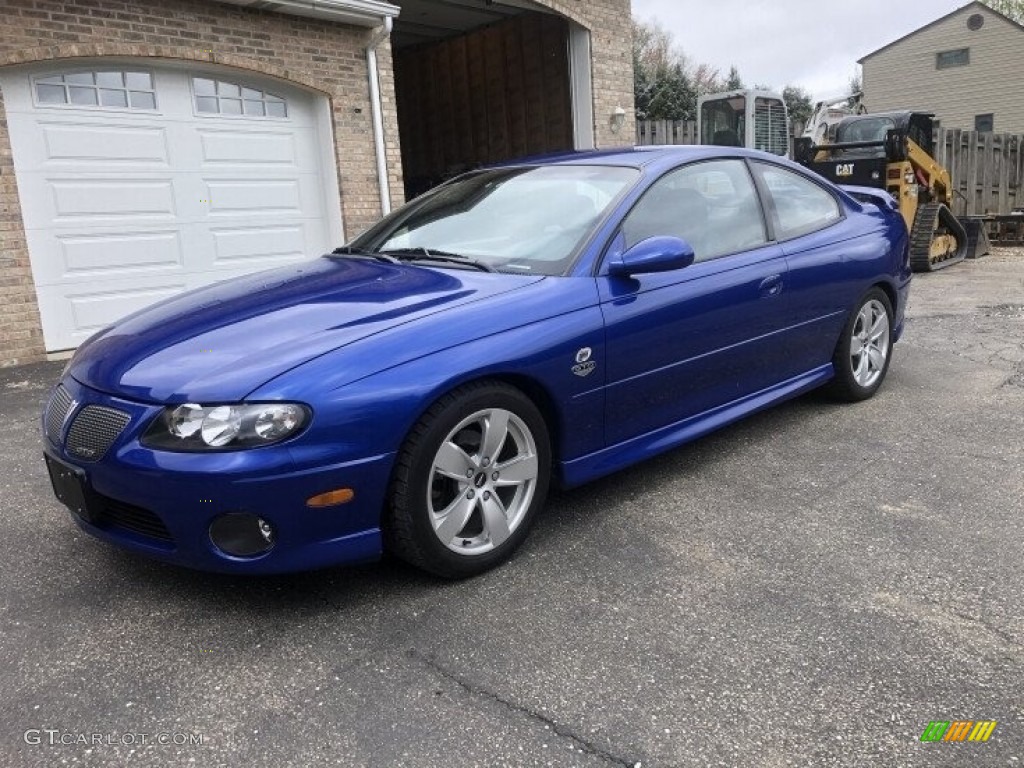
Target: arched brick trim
{"points": [[141, 50], [569, 10]]}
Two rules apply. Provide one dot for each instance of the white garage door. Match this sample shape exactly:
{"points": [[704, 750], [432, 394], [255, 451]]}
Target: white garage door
{"points": [[139, 182]]}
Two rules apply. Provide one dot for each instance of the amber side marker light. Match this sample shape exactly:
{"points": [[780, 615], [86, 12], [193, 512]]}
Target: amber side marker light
{"points": [[331, 498]]}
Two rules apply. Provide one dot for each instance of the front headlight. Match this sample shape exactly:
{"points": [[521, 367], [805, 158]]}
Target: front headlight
{"points": [[192, 427]]}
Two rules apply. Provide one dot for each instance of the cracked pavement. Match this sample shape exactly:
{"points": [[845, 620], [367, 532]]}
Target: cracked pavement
{"points": [[809, 587]]}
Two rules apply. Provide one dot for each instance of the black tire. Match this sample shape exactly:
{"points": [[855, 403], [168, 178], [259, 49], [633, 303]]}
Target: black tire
{"points": [[851, 383], [410, 519]]}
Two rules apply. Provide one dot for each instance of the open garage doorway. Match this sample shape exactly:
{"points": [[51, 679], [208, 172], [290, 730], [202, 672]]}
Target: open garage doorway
{"points": [[480, 83]]}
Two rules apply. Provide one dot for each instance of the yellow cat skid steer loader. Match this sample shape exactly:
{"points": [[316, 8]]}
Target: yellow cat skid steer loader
{"points": [[894, 151]]}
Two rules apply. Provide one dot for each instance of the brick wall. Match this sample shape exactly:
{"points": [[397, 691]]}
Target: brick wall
{"points": [[324, 56], [611, 49], [21, 337]]}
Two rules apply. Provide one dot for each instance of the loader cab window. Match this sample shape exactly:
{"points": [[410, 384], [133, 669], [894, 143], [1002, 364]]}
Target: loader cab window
{"points": [[866, 129], [920, 132]]}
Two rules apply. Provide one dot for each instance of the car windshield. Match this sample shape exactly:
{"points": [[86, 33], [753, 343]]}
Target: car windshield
{"points": [[526, 220]]}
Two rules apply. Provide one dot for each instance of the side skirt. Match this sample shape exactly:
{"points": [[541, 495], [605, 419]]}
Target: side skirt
{"points": [[621, 455]]}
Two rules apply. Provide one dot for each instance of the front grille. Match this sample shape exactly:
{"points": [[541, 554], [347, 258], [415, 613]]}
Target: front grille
{"points": [[94, 430], [56, 412], [120, 514]]}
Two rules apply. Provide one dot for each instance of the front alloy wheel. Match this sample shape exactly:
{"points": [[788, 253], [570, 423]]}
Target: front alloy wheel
{"points": [[468, 480], [484, 478]]}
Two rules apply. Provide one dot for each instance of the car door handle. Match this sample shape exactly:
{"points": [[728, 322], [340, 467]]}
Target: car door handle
{"points": [[771, 286]]}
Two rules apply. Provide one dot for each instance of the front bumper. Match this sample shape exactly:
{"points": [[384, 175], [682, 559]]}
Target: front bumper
{"points": [[161, 504]]}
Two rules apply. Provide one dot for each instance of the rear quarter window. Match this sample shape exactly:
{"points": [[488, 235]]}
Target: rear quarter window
{"points": [[800, 205]]}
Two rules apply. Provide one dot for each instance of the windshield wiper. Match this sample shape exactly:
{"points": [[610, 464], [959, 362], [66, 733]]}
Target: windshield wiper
{"points": [[348, 250], [429, 254]]}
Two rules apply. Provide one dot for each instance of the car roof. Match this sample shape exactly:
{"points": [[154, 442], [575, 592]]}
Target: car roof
{"points": [[639, 157]]}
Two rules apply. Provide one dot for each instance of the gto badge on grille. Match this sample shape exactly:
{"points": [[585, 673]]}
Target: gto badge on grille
{"points": [[584, 365]]}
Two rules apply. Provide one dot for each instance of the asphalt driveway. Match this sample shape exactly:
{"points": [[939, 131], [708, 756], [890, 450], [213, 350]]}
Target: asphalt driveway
{"points": [[810, 587]]}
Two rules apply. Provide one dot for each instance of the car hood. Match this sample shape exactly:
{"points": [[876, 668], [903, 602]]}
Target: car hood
{"points": [[224, 341]]}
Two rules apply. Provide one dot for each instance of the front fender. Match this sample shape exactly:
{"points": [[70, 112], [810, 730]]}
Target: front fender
{"points": [[373, 415]]}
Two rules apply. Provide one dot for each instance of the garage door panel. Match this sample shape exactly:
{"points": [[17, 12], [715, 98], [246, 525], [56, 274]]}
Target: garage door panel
{"points": [[237, 246], [103, 199], [95, 310], [75, 254], [226, 147], [89, 145], [115, 255], [254, 197], [53, 143], [70, 316]]}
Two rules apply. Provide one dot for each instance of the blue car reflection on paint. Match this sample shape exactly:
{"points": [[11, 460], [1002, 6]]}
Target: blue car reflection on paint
{"points": [[419, 389]]}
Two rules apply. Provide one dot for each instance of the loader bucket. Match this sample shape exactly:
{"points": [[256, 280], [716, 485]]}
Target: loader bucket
{"points": [[978, 244]]}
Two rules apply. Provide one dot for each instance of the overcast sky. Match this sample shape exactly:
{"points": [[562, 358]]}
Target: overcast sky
{"points": [[814, 44]]}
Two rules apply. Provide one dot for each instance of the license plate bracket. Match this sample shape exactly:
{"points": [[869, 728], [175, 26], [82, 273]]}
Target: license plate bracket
{"points": [[70, 486]]}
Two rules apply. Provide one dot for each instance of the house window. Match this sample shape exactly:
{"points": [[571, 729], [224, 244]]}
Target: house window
{"points": [[961, 57], [219, 97], [113, 90], [985, 123]]}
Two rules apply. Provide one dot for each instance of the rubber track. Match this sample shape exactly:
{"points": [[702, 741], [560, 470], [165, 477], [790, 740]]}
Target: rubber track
{"points": [[925, 226]]}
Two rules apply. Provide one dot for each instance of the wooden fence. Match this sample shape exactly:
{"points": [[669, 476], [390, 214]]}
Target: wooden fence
{"points": [[987, 169], [653, 132]]}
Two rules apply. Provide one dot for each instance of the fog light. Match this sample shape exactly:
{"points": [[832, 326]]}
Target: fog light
{"points": [[242, 535]]}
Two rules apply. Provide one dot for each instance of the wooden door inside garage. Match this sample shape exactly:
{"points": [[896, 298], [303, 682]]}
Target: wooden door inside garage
{"points": [[492, 94]]}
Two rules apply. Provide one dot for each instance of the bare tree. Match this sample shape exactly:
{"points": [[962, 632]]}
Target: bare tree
{"points": [[734, 82], [662, 82], [707, 79], [654, 48]]}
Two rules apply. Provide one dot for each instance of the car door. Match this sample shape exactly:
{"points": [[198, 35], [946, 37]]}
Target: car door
{"points": [[680, 343], [823, 249]]}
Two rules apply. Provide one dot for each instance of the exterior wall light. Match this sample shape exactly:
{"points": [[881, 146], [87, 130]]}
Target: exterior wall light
{"points": [[617, 120]]}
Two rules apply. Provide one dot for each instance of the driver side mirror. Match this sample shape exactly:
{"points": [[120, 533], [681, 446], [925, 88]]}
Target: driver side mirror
{"points": [[655, 254]]}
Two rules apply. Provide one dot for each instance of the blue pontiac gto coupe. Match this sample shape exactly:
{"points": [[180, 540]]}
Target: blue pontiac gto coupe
{"points": [[419, 389]]}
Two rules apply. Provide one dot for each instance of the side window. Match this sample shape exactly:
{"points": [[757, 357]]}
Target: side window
{"points": [[801, 206], [112, 90], [219, 97], [712, 205]]}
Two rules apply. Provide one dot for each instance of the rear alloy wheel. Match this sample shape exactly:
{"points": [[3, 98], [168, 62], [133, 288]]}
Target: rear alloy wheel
{"points": [[862, 356], [468, 481]]}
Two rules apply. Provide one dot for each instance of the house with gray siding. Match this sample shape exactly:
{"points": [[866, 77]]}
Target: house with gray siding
{"points": [[967, 67]]}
